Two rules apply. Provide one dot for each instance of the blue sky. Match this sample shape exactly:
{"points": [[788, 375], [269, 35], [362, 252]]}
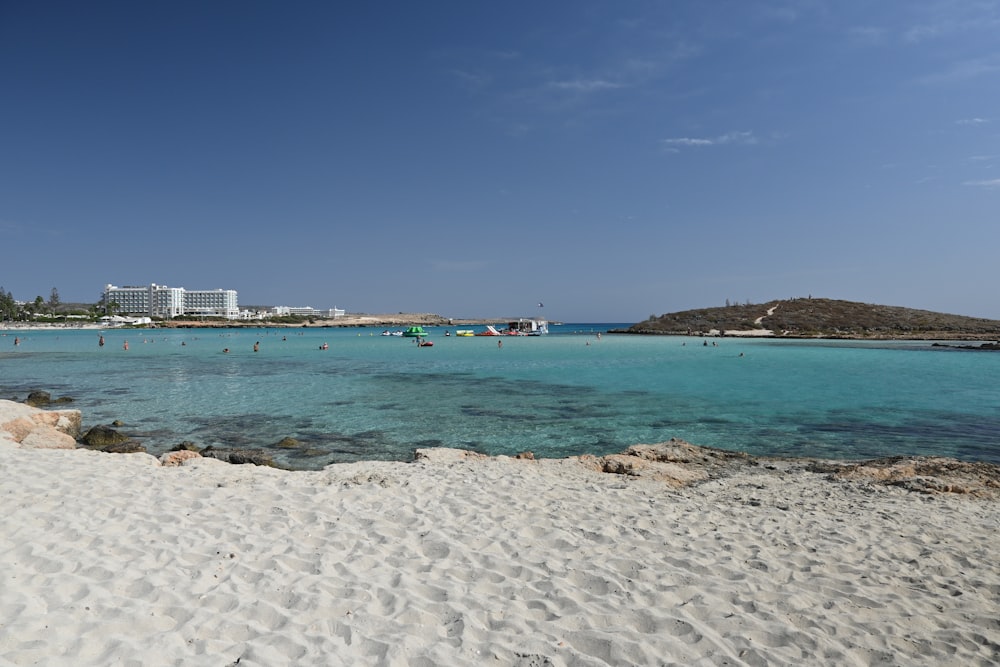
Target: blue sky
{"points": [[472, 159]]}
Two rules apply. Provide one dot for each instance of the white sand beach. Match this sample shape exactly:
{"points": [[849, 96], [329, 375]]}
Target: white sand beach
{"points": [[112, 559]]}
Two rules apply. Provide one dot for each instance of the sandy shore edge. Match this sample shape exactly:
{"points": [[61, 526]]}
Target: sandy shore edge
{"points": [[462, 559]]}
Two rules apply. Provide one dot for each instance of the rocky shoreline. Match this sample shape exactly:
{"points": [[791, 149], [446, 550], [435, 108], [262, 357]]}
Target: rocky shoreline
{"points": [[675, 463]]}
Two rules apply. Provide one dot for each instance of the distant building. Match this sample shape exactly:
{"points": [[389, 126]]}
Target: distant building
{"points": [[306, 311], [119, 321], [161, 301]]}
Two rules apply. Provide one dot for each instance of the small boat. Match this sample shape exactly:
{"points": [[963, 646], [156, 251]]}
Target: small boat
{"points": [[415, 332], [527, 326], [425, 343], [490, 331]]}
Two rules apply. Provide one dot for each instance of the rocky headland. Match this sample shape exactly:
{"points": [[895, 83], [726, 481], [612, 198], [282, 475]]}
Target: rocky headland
{"points": [[819, 318]]}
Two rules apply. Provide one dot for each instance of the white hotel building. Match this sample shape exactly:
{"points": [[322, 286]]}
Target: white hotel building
{"points": [[161, 301]]}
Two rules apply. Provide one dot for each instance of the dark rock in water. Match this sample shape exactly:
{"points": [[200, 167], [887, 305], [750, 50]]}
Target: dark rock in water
{"points": [[288, 443], [127, 447], [985, 346], [118, 422], [103, 436], [240, 456], [37, 399], [40, 399], [186, 446], [313, 451]]}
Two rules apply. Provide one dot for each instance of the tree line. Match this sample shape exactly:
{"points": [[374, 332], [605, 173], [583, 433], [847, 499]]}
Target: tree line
{"points": [[10, 309]]}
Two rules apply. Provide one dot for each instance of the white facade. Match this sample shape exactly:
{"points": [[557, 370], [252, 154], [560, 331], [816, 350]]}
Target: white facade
{"points": [[306, 311], [218, 302], [162, 301]]}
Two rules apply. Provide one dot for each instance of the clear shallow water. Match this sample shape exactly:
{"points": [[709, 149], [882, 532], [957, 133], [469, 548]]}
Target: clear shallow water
{"points": [[375, 397]]}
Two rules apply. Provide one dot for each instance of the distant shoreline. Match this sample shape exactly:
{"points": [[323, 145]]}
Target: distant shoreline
{"points": [[361, 321], [410, 319], [397, 320], [926, 336]]}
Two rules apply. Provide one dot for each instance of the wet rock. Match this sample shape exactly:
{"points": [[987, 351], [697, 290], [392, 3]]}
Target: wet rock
{"points": [[186, 446], [37, 399], [127, 447], [103, 436], [117, 423], [240, 456], [40, 399], [288, 443], [309, 452]]}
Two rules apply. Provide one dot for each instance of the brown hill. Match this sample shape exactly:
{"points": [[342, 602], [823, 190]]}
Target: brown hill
{"points": [[826, 318]]}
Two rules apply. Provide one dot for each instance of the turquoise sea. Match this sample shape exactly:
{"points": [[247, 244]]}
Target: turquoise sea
{"points": [[377, 397]]}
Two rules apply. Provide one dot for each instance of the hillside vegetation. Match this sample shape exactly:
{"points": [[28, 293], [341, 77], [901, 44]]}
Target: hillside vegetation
{"points": [[827, 318]]}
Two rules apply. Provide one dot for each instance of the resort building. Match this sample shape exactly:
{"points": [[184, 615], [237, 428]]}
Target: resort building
{"points": [[161, 301], [306, 311]]}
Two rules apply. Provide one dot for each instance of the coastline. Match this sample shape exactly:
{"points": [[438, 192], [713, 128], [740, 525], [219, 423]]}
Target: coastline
{"points": [[459, 558], [418, 319], [361, 321]]}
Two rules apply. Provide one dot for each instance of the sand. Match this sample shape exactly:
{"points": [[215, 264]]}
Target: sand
{"points": [[116, 560]]}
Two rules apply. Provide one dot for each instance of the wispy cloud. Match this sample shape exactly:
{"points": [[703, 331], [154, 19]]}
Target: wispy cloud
{"points": [[585, 85], [949, 18], [993, 184], [743, 138], [790, 12], [919, 33], [963, 70], [972, 121]]}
